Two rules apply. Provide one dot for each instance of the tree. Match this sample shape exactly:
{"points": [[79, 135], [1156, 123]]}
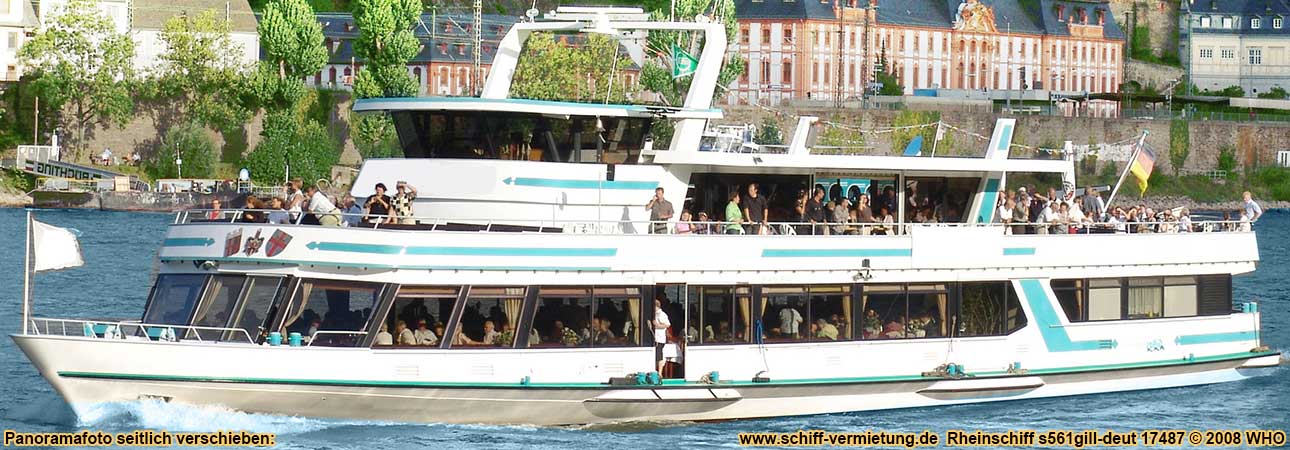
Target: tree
{"points": [[587, 71], [291, 41], [386, 43], [306, 148], [1277, 93], [191, 143], [769, 134], [82, 63], [890, 84], [656, 76], [202, 65]]}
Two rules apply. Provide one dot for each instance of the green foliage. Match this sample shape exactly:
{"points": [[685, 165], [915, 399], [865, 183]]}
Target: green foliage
{"points": [[17, 180], [656, 75], [1179, 143], [386, 43], [1142, 49], [291, 42], [1230, 91], [1276, 181], [18, 114], [193, 145], [201, 66], [901, 138], [1227, 159], [889, 81], [374, 137], [305, 145], [769, 133], [548, 70], [83, 64], [835, 136], [1277, 93]]}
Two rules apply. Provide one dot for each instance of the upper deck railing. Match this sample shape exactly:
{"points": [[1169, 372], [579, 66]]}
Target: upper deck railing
{"points": [[620, 227]]}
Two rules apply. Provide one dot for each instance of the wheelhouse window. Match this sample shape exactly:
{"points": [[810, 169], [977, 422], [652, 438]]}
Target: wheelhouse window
{"points": [[332, 313], [258, 307], [418, 317], [486, 321], [724, 313], [517, 136], [174, 298], [217, 307], [1070, 294]]}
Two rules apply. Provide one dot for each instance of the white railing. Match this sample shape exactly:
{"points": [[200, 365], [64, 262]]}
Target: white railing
{"points": [[127, 329], [418, 223], [314, 337]]}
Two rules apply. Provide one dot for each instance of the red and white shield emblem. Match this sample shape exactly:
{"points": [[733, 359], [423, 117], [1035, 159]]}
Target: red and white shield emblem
{"points": [[233, 242], [277, 243]]}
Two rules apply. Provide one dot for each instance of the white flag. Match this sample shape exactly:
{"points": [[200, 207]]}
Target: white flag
{"points": [[54, 248]]}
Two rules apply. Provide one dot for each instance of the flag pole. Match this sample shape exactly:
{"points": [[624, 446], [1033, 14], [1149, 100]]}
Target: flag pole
{"points": [[26, 279], [1132, 157]]}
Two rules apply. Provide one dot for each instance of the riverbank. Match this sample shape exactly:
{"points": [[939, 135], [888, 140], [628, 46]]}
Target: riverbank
{"points": [[14, 200], [1168, 202]]}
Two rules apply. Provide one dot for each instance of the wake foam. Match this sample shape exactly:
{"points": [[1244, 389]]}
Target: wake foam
{"points": [[160, 415]]}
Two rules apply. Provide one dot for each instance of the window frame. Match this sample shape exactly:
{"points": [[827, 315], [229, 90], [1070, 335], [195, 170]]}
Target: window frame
{"points": [[152, 295], [286, 307]]}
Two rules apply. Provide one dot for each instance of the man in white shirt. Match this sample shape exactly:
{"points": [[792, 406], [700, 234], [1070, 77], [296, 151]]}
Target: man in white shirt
{"points": [[322, 208], [384, 337], [660, 324], [423, 335], [1252, 209], [790, 322]]}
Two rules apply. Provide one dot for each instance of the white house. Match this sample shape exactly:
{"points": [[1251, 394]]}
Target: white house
{"points": [[148, 17], [16, 17], [1236, 43]]}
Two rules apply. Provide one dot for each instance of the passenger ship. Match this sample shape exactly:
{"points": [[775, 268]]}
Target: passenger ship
{"points": [[533, 253]]}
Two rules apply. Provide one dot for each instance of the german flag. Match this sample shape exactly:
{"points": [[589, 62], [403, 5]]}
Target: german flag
{"points": [[1141, 166]]}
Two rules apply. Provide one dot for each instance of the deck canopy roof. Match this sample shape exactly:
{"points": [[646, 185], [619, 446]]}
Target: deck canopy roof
{"points": [[516, 105]]}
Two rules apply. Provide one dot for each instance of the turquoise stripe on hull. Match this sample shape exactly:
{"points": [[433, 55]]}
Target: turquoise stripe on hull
{"points": [[581, 184], [1214, 338], [188, 242], [836, 252], [381, 249], [369, 266], [1055, 337], [1018, 251]]}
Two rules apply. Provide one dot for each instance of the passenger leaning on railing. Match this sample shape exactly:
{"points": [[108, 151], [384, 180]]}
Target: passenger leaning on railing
{"points": [[734, 217], [322, 208], [660, 211]]}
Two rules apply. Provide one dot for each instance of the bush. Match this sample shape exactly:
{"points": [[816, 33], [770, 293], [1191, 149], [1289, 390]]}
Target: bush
{"points": [[193, 145], [1179, 143], [1277, 93], [1227, 160], [769, 133], [374, 137], [306, 146]]}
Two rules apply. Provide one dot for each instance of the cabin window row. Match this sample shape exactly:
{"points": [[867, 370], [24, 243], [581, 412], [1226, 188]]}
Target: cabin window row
{"points": [[1095, 299]]}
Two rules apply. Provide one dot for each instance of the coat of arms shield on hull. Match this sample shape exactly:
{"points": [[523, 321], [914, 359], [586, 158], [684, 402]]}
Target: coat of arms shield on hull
{"points": [[233, 242], [277, 243]]}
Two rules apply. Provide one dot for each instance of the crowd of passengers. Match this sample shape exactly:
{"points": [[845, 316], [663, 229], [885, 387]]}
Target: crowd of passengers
{"points": [[748, 212], [312, 206], [495, 329], [1021, 211]]}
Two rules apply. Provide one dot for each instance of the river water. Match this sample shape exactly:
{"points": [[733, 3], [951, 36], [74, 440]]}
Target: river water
{"points": [[120, 252]]}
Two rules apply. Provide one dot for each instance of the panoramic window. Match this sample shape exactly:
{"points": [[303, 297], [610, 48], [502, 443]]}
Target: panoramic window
{"points": [[724, 314], [884, 311], [257, 307], [783, 313], [523, 137], [981, 309], [617, 318], [173, 299], [1104, 299], [1070, 294], [217, 307], [563, 317], [830, 313], [486, 321], [331, 312], [927, 311], [418, 317]]}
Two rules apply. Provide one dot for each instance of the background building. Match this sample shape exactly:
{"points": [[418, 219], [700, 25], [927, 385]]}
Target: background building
{"points": [[148, 17], [1235, 43], [16, 17], [830, 49]]}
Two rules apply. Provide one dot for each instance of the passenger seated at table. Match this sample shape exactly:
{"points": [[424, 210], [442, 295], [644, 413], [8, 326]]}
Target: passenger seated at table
{"points": [[406, 337], [825, 330], [490, 333], [894, 329], [383, 337], [601, 334], [423, 335]]}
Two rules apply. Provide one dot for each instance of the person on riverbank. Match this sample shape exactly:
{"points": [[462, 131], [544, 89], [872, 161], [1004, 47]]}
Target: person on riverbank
{"points": [[1252, 208]]}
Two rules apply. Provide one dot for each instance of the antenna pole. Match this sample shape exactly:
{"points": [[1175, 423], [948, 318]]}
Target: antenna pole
{"points": [[26, 279]]}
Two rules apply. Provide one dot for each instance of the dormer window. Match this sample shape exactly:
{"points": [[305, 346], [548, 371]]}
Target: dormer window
{"points": [[1204, 22], [1227, 22], [1276, 23], [1101, 17], [1255, 23], [1061, 13]]}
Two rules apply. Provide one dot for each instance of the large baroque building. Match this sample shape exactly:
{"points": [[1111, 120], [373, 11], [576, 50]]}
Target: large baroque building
{"points": [[829, 49], [1235, 43]]}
